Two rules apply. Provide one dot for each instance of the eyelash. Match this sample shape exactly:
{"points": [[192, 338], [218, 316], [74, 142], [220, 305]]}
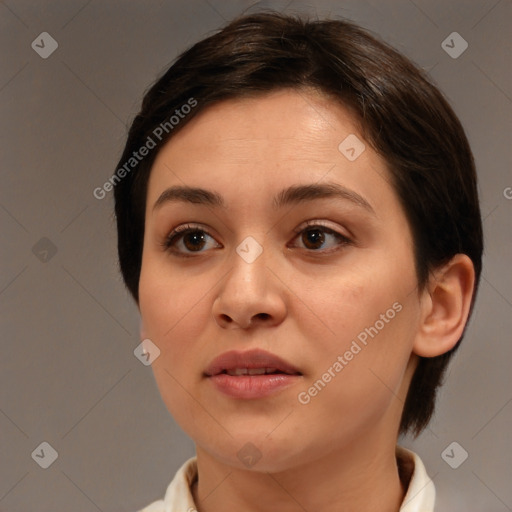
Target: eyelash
{"points": [[180, 232]]}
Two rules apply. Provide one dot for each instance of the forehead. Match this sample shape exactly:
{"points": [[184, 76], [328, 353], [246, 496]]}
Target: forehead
{"points": [[252, 147], [286, 122]]}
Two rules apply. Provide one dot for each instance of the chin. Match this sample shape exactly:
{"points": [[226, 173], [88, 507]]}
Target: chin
{"points": [[256, 452]]}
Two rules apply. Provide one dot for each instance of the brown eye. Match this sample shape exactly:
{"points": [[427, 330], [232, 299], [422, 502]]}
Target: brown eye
{"points": [[187, 240], [314, 238], [194, 240]]}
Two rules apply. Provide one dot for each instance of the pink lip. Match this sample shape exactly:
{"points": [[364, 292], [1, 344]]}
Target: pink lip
{"points": [[250, 386]]}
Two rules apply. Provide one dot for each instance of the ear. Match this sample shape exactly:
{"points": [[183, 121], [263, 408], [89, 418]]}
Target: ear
{"points": [[445, 305]]}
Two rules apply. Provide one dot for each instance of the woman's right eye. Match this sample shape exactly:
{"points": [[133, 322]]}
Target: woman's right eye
{"points": [[187, 240]]}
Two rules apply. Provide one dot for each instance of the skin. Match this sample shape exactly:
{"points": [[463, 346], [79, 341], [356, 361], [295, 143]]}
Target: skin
{"points": [[295, 300]]}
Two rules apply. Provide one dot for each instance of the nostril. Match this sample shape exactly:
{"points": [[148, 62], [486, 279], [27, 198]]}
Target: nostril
{"points": [[263, 316]]}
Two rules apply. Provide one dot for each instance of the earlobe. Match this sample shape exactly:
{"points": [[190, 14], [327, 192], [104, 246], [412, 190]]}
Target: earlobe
{"points": [[445, 307]]}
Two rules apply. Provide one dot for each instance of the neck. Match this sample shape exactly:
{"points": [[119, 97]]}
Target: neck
{"points": [[363, 477]]}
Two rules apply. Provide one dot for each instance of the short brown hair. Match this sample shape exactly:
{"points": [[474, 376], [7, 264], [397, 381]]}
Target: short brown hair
{"points": [[403, 116]]}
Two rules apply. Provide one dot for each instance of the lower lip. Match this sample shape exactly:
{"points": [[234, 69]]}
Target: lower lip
{"points": [[252, 386]]}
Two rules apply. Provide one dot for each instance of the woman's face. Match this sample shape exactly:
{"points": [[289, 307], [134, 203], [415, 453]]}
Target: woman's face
{"points": [[321, 277]]}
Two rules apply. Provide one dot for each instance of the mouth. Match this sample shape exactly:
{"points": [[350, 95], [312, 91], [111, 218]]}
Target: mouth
{"points": [[251, 362], [251, 374]]}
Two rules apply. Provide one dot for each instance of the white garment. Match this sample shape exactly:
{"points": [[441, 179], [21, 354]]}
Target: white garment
{"points": [[420, 496]]}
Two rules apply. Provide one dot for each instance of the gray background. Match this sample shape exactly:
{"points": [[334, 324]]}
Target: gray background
{"points": [[68, 375]]}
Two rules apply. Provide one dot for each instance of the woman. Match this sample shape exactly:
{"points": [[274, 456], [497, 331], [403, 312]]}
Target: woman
{"points": [[298, 222]]}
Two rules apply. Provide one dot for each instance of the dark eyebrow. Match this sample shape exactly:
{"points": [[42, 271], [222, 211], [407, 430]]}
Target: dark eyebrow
{"points": [[299, 193], [292, 195], [193, 195]]}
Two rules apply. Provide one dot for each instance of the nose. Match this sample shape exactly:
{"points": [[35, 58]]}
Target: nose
{"points": [[250, 295]]}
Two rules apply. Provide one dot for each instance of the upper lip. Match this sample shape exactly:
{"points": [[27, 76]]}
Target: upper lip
{"points": [[249, 359]]}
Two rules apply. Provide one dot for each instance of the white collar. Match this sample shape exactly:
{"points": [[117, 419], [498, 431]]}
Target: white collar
{"points": [[421, 493], [420, 496]]}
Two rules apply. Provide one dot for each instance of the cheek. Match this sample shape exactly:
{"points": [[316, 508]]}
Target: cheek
{"points": [[371, 316], [348, 302], [173, 310], [355, 384], [163, 296], [173, 313]]}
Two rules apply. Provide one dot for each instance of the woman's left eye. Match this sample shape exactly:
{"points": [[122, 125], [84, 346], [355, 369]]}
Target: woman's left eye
{"points": [[188, 239], [314, 237]]}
